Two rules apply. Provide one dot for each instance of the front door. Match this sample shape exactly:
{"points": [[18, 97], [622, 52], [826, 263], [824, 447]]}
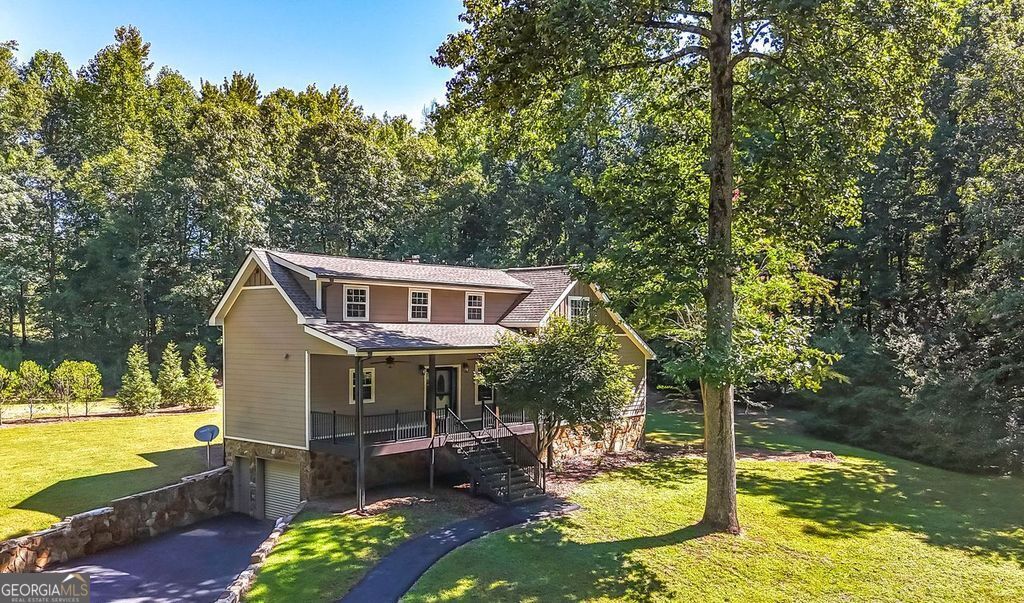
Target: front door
{"points": [[446, 389]]}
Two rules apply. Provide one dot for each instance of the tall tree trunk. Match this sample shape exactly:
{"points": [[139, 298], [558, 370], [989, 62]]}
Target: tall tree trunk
{"points": [[720, 511], [23, 313]]}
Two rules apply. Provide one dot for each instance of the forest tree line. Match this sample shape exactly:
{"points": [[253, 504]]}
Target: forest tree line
{"points": [[128, 197]]}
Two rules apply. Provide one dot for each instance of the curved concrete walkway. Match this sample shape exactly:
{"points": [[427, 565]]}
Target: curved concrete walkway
{"points": [[395, 574]]}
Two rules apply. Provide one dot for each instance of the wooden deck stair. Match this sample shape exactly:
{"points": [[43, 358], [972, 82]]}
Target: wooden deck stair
{"points": [[495, 473]]}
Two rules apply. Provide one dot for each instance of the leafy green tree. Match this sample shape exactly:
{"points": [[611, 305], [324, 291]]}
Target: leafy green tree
{"points": [[76, 382], [90, 384], [171, 378], [138, 393], [9, 389], [568, 375], [672, 69], [200, 388], [33, 385]]}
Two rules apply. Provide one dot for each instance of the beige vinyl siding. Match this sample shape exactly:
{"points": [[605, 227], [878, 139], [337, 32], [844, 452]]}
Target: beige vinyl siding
{"points": [[400, 387], [265, 370]]}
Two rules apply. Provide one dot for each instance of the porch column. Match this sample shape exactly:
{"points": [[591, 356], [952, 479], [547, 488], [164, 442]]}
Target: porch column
{"points": [[360, 448], [432, 409], [431, 394]]}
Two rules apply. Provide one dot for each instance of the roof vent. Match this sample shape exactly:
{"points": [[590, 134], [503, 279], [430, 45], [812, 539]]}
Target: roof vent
{"points": [[412, 259]]}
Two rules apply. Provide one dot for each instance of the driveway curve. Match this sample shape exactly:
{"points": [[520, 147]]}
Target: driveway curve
{"points": [[193, 564]]}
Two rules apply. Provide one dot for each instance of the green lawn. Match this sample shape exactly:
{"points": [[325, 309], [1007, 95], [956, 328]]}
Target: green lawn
{"points": [[323, 555], [871, 528], [52, 470]]}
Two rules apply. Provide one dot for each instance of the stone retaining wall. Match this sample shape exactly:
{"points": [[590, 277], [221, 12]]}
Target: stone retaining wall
{"points": [[126, 520], [626, 433]]}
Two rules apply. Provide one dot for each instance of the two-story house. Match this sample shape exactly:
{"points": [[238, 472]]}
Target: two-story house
{"points": [[343, 373]]}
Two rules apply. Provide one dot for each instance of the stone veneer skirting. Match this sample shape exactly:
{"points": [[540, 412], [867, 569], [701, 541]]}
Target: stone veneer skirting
{"points": [[324, 475], [623, 434], [331, 475], [126, 520]]}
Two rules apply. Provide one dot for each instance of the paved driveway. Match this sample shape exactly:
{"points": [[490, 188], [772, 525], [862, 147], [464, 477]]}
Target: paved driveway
{"points": [[192, 564]]}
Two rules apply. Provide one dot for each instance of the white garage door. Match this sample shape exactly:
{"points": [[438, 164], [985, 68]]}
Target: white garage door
{"points": [[281, 489]]}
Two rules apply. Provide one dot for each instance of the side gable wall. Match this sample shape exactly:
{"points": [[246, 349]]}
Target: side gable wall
{"points": [[265, 370]]}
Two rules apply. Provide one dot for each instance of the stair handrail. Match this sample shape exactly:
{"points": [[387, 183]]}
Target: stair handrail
{"points": [[540, 471], [476, 462]]}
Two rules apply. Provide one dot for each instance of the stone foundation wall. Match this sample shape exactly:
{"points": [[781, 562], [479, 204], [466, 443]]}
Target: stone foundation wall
{"points": [[332, 475], [250, 452], [126, 520], [626, 433]]}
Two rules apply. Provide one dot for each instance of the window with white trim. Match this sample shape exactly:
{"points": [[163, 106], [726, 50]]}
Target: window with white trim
{"points": [[474, 306], [579, 307], [419, 305], [369, 385], [357, 303], [484, 394]]}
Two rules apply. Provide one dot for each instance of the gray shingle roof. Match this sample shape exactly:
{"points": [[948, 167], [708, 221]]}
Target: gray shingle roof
{"points": [[548, 285], [386, 270], [292, 288], [384, 336]]}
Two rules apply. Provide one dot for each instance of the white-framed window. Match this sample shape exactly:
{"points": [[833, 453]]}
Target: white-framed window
{"points": [[484, 394], [419, 305], [357, 302], [369, 385], [474, 306], [579, 307]]}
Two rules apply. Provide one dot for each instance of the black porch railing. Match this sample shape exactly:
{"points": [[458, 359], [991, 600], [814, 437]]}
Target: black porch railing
{"points": [[377, 428], [515, 447], [336, 428]]}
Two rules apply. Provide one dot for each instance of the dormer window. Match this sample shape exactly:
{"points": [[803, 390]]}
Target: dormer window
{"points": [[419, 305], [474, 307], [579, 308], [357, 303]]}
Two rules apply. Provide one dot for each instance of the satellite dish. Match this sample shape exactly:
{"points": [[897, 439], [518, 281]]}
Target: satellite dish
{"points": [[207, 433]]}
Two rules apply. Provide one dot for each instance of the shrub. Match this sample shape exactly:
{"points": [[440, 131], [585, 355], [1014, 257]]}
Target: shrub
{"points": [[76, 382], [33, 385], [200, 388], [171, 379], [138, 393], [8, 389], [569, 374]]}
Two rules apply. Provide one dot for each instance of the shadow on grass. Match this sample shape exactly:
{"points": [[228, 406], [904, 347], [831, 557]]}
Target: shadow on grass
{"points": [[323, 555], [980, 515], [611, 570], [867, 492], [79, 494]]}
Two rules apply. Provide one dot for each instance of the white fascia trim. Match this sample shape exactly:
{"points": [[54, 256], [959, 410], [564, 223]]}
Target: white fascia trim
{"points": [[217, 318], [291, 266], [558, 302], [349, 349], [240, 439], [419, 285], [440, 352], [617, 318], [223, 305]]}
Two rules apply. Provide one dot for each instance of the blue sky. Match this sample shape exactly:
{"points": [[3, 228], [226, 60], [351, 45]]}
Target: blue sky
{"points": [[380, 50]]}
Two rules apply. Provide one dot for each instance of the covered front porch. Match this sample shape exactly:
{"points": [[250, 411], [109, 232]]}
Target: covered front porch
{"points": [[408, 402]]}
